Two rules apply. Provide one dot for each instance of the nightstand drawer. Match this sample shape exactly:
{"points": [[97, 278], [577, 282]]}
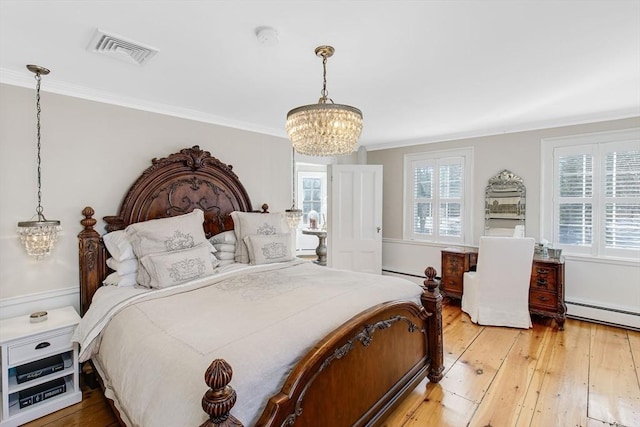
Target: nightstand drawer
{"points": [[40, 347]]}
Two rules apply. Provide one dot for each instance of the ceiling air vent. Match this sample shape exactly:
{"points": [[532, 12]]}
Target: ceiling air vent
{"points": [[121, 48]]}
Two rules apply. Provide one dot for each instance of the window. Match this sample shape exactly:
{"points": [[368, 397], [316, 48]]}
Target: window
{"points": [[595, 193], [437, 201], [312, 192]]}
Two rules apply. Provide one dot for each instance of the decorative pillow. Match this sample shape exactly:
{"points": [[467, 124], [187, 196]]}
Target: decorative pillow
{"points": [[248, 223], [225, 247], [124, 267], [175, 267], [268, 249], [225, 256], [118, 245], [224, 237], [226, 262], [115, 279], [167, 234]]}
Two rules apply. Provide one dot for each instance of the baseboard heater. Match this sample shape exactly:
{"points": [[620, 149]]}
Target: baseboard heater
{"points": [[603, 322]]}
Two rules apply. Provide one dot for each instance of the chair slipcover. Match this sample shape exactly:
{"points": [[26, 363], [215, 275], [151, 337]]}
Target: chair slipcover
{"points": [[497, 293]]}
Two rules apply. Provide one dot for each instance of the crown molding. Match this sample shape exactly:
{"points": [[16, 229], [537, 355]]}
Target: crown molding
{"points": [[526, 127], [21, 79]]}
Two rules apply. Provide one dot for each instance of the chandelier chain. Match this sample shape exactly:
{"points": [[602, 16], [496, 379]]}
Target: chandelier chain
{"points": [[324, 92], [38, 110]]}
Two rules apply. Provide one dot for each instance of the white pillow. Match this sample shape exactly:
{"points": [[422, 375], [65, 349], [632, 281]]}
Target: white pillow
{"points": [[124, 267], [167, 234], [225, 256], [248, 223], [171, 268], [270, 248], [225, 262], [225, 247], [118, 245], [224, 237], [115, 279]]}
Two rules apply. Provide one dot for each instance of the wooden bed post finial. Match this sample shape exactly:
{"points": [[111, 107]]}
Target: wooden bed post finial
{"points": [[220, 398], [432, 302]]}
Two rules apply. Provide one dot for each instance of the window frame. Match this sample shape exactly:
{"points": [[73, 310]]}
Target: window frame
{"points": [[598, 145], [439, 158]]}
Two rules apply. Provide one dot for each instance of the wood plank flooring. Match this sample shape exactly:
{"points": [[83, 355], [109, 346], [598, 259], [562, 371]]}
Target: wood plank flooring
{"points": [[587, 375]]}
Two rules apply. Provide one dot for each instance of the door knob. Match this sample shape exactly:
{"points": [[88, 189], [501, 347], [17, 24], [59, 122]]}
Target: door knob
{"points": [[379, 229]]}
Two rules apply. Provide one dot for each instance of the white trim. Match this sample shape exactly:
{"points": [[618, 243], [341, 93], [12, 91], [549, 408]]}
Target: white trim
{"points": [[25, 304], [548, 158], [14, 78], [526, 127], [467, 154]]}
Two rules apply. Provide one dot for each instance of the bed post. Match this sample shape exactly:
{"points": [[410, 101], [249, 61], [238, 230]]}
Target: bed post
{"points": [[220, 398], [91, 255], [432, 302]]}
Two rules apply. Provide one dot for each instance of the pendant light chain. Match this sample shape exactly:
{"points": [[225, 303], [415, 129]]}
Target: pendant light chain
{"points": [[324, 92], [38, 110]]}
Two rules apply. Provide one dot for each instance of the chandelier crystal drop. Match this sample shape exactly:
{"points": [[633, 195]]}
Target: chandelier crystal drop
{"points": [[325, 128], [38, 237]]}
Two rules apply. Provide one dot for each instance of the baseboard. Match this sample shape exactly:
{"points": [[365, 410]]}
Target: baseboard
{"points": [[580, 310], [25, 304], [605, 315]]}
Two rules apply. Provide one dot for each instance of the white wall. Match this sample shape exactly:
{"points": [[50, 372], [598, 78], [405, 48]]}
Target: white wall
{"points": [[91, 154], [595, 289]]}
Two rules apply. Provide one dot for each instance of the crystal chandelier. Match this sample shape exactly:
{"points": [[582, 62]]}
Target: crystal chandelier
{"points": [[324, 129], [293, 215], [38, 236]]}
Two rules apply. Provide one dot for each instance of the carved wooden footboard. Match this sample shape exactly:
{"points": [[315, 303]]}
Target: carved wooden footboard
{"points": [[356, 375]]}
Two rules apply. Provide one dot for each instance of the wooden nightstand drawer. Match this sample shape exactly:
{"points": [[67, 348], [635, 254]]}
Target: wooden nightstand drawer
{"points": [[39, 347], [543, 300]]}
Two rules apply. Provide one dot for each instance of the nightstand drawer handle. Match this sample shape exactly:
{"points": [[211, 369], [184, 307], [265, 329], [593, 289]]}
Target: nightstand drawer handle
{"points": [[42, 345], [541, 282], [543, 271]]}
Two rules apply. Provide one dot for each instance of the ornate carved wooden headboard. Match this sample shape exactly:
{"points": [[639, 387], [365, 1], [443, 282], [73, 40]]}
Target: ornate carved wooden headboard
{"points": [[173, 185]]}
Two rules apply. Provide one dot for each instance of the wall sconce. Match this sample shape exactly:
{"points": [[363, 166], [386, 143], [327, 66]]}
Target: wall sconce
{"points": [[38, 237]]}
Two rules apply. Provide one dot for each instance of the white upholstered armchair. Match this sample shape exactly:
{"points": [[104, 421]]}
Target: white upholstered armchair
{"points": [[497, 293]]}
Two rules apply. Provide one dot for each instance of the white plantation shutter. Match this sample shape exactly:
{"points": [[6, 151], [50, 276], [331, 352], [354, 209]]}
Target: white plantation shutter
{"points": [[435, 196], [575, 199], [622, 199], [423, 197], [597, 198]]}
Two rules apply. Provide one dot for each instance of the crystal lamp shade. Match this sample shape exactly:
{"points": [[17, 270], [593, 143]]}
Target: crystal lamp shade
{"points": [[38, 237], [293, 217], [324, 129]]}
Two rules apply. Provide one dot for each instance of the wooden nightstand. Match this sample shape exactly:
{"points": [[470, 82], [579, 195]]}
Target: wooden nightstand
{"points": [[51, 389]]}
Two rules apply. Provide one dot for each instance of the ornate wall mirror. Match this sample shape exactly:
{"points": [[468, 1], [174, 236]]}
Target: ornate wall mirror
{"points": [[505, 203]]}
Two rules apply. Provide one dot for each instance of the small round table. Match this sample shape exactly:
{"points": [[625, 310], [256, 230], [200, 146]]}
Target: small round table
{"points": [[321, 250]]}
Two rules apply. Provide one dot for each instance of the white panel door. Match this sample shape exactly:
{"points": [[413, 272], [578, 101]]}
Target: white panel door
{"points": [[354, 220]]}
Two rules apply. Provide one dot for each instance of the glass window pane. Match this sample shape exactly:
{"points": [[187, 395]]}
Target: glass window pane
{"points": [[622, 229], [575, 223], [622, 174], [423, 178], [450, 219], [423, 218], [576, 175], [451, 181]]}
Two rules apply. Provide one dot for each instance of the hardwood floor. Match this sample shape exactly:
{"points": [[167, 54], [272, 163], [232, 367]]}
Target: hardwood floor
{"points": [[587, 375]]}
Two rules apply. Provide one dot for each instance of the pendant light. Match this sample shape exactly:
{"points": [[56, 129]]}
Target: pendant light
{"points": [[39, 236], [293, 215], [325, 128]]}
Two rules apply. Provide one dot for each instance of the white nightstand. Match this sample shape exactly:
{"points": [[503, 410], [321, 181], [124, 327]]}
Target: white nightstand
{"points": [[23, 342]]}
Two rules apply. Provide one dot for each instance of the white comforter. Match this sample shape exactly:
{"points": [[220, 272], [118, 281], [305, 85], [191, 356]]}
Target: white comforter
{"points": [[153, 347]]}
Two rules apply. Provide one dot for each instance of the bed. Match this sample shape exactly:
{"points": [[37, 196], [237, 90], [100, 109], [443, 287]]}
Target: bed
{"points": [[201, 352]]}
